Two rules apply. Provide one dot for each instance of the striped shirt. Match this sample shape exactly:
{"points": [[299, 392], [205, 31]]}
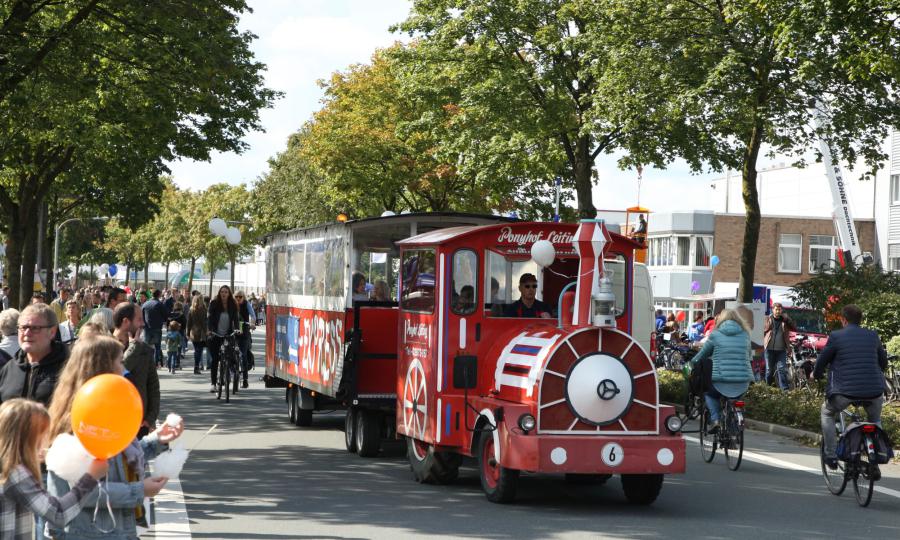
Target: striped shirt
{"points": [[21, 497]]}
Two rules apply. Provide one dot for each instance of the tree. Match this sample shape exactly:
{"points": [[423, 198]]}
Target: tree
{"points": [[526, 89], [134, 85], [721, 80]]}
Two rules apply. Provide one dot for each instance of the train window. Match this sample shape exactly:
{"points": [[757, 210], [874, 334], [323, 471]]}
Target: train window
{"points": [[334, 262], [315, 268], [616, 265], [280, 270], [418, 279], [502, 280], [465, 282], [295, 275]]}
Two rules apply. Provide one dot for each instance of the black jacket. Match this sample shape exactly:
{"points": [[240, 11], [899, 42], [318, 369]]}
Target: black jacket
{"points": [[154, 314], [41, 379], [212, 317], [855, 360]]}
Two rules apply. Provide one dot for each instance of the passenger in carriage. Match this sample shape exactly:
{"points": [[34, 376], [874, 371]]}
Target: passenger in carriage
{"points": [[359, 287], [381, 293], [527, 305], [464, 303]]}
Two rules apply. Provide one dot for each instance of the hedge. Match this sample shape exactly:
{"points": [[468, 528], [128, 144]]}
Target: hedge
{"points": [[795, 408]]}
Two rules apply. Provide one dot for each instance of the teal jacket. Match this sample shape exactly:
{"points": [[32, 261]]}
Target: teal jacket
{"points": [[729, 346]]}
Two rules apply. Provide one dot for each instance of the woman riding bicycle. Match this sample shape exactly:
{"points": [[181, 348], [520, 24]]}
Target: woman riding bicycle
{"points": [[221, 320], [728, 347]]}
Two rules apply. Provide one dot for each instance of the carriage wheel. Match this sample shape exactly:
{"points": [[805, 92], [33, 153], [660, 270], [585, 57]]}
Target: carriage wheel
{"points": [[430, 467], [415, 401], [498, 482], [292, 405], [368, 433], [350, 430]]}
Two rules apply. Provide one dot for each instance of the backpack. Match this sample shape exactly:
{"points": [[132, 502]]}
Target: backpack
{"points": [[849, 445], [701, 377]]}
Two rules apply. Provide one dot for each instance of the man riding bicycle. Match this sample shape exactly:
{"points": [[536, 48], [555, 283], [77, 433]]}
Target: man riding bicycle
{"points": [[855, 360], [728, 348]]}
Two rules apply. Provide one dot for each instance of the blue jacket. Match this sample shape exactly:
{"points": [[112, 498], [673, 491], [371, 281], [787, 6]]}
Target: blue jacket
{"points": [[729, 346], [855, 360], [660, 321], [154, 314]]}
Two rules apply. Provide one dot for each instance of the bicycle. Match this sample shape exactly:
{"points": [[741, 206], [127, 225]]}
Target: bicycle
{"points": [[862, 466], [229, 366], [800, 365], [892, 379], [730, 435]]}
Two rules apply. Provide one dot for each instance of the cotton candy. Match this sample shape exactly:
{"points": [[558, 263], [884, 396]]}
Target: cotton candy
{"points": [[68, 459], [170, 463], [173, 420]]}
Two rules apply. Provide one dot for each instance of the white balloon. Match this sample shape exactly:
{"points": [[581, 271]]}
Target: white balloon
{"points": [[233, 236], [543, 253], [217, 226], [104, 268], [67, 458]]}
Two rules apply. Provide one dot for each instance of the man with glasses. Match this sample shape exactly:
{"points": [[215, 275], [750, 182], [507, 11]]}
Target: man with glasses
{"points": [[34, 370], [527, 305]]}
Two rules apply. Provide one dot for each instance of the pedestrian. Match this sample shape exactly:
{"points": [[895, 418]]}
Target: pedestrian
{"points": [[248, 324], [68, 329], [4, 299], [173, 345], [139, 361], [154, 313], [660, 319], [34, 370], [104, 317], [38, 298], [23, 431], [671, 325], [178, 315], [197, 329], [776, 343], [125, 485], [261, 311], [9, 345], [59, 305], [222, 319]]}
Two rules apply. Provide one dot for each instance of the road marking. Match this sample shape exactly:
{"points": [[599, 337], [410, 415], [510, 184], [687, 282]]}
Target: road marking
{"points": [[171, 514], [782, 464]]}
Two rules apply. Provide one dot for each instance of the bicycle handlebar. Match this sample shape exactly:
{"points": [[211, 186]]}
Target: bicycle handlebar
{"points": [[232, 334]]}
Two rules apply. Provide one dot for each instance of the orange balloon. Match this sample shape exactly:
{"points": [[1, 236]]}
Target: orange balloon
{"points": [[106, 414]]}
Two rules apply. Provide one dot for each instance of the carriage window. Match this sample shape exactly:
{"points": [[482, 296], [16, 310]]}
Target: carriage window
{"points": [[418, 279], [465, 289], [502, 280], [295, 274], [334, 257], [315, 268], [280, 271], [616, 265]]}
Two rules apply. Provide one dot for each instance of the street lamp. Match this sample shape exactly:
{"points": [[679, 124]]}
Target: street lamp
{"points": [[232, 235], [56, 244]]}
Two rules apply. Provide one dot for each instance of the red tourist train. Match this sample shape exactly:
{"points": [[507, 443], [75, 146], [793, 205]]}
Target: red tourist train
{"points": [[448, 362]]}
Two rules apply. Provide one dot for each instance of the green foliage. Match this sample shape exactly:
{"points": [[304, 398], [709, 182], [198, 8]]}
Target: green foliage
{"points": [[831, 291], [893, 346], [881, 312]]}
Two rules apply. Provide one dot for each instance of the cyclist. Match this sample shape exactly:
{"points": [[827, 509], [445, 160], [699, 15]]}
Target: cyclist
{"points": [[221, 320], [855, 360], [728, 349]]}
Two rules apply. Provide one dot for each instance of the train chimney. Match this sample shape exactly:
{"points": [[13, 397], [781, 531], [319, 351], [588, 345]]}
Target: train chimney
{"points": [[594, 288]]}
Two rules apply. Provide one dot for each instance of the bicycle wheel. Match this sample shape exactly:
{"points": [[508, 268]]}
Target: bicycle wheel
{"points": [[734, 441], [220, 378], [835, 480], [863, 477], [226, 368], [707, 440]]}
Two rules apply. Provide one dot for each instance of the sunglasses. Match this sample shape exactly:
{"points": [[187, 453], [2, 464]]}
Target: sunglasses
{"points": [[530, 286]]}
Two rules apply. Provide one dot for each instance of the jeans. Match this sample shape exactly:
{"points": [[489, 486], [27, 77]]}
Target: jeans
{"points": [[214, 343], [198, 354], [833, 406], [244, 346], [712, 397], [173, 360], [776, 362], [154, 337]]}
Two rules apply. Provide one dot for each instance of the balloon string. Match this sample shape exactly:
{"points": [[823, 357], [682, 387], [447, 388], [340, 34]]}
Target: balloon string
{"points": [[108, 507]]}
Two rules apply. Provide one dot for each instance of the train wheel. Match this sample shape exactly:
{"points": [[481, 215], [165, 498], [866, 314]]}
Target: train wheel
{"points": [[642, 488], [292, 404], [498, 482], [368, 433], [430, 467], [350, 430], [304, 417]]}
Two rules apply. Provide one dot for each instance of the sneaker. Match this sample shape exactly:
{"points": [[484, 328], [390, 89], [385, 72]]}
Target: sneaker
{"points": [[713, 427], [212, 389], [245, 384], [831, 463], [196, 371]]}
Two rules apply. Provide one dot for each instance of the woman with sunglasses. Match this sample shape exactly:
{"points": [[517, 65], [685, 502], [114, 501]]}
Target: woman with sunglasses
{"points": [[248, 323], [223, 318]]}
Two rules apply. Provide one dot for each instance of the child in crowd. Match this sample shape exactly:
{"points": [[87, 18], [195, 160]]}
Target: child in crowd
{"points": [[173, 344], [24, 428]]}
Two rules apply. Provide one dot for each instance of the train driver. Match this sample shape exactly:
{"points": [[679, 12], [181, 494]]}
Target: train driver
{"points": [[527, 305]]}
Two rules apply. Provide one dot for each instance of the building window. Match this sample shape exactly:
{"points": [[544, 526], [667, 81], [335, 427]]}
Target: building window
{"points": [[822, 253], [895, 189], [661, 252], [894, 264], [683, 250], [702, 250], [789, 247]]}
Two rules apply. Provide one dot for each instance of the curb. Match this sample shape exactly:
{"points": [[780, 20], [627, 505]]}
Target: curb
{"points": [[774, 429]]}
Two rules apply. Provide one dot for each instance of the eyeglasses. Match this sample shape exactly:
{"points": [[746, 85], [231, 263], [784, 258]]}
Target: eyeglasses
{"points": [[33, 327], [530, 286]]}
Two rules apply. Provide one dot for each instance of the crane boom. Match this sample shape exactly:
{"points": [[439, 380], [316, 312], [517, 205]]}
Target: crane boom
{"points": [[842, 212]]}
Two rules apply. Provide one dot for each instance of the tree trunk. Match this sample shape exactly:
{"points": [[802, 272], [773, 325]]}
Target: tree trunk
{"points": [[14, 243], [147, 267], [91, 275], [77, 267], [751, 209], [212, 272], [29, 257], [583, 169], [191, 276], [166, 280]]}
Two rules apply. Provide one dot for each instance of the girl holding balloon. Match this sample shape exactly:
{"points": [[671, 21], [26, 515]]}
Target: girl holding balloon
{"points": [[23, 434], [104, 411]]}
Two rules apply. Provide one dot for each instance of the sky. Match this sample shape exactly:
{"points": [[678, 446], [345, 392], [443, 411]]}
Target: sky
{"points": [[303, 41]]}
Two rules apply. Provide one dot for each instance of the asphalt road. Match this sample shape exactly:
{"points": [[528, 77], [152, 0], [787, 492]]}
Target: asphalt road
{"points": [[258, 477]]}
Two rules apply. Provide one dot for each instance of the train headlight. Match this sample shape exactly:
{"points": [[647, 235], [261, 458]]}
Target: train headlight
{"points": [[526, 422], [603, 302], [673, 423]]}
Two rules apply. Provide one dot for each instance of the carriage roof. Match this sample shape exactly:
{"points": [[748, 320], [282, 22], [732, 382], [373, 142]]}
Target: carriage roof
{"points": [[455, 233]]}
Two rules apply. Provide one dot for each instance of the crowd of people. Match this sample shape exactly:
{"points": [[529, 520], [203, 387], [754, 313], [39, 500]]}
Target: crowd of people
{"points": [[51, 348]]}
